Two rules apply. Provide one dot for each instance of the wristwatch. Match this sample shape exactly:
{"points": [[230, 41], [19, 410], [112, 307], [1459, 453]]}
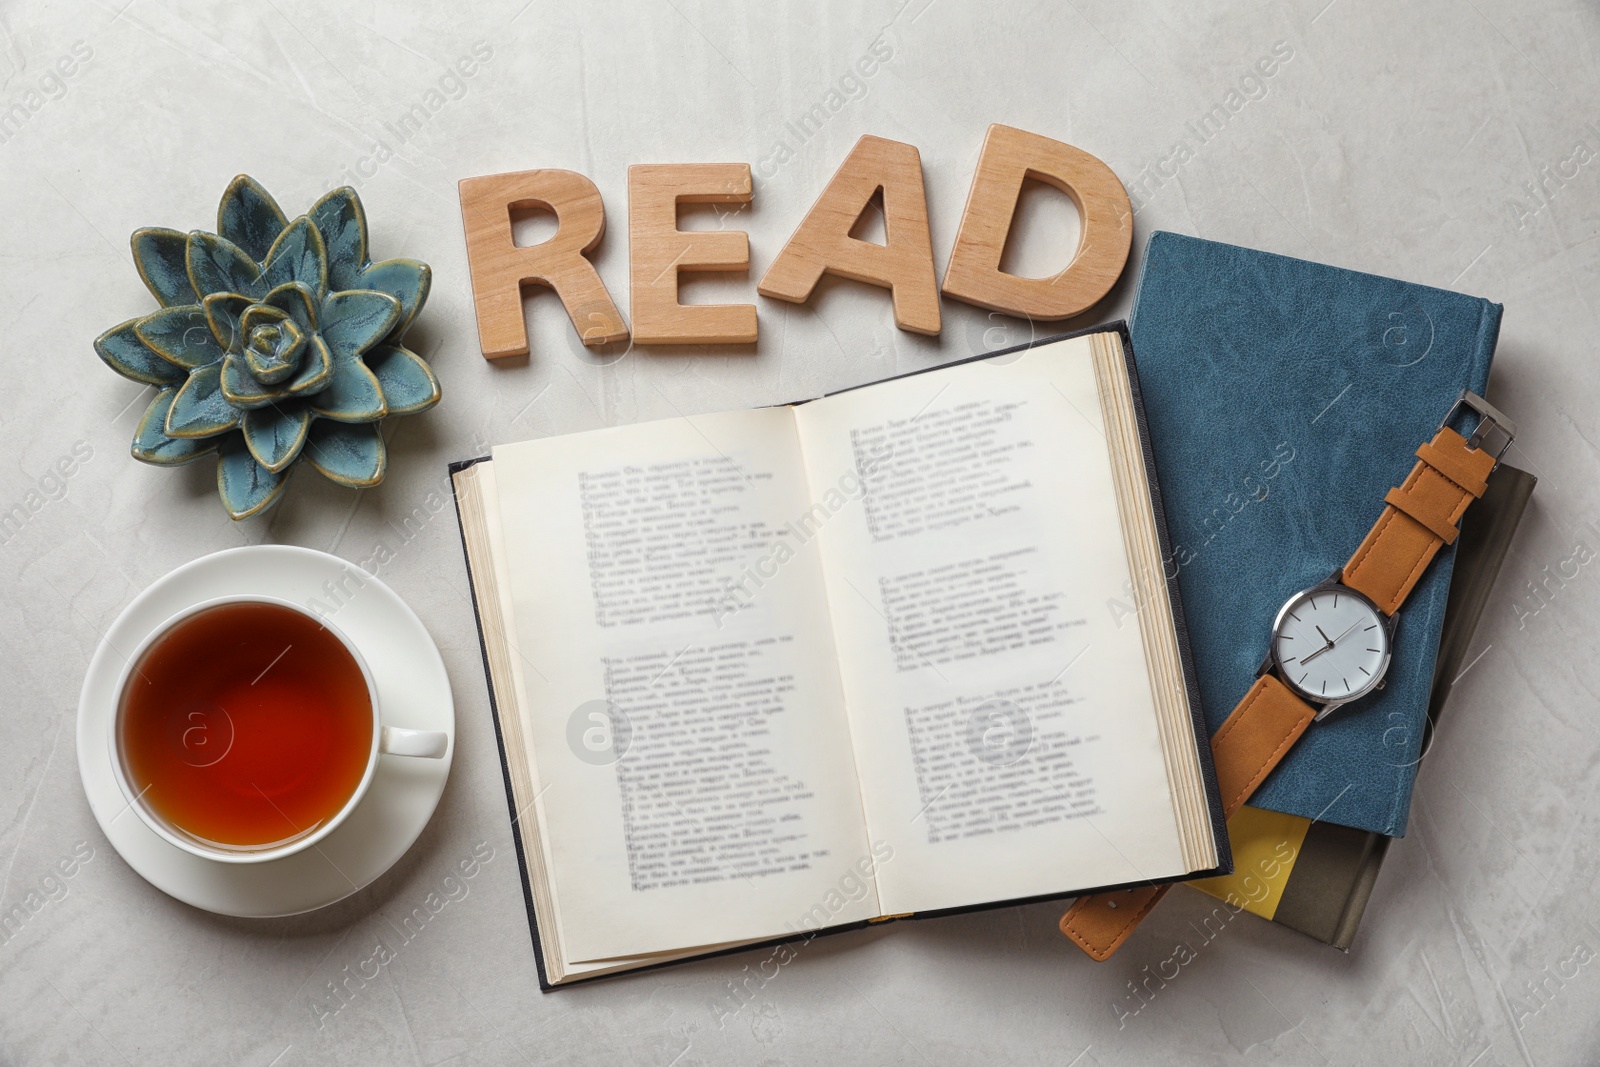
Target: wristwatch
{"points": [[1330, 644]]}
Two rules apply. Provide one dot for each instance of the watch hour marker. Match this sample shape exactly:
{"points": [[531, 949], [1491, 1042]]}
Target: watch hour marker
{"points": [[1293, 616], [1324, 687], [1363, 670], [1374, 650], [1344, 683], [1302, 680], [1374, 626]]}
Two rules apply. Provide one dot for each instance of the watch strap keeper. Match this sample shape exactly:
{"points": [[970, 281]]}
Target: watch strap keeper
{"points": [[1422, 516]]}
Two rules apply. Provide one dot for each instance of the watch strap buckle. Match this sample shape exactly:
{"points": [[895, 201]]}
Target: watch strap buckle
{"points": [[1492, 423]]}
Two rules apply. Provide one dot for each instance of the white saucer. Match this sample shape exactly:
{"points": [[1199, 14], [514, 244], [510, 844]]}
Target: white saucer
{"points": [[413, 692]]}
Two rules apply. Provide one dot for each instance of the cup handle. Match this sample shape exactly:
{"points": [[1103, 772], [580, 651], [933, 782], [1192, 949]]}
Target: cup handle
{"points": [[398, 741]]}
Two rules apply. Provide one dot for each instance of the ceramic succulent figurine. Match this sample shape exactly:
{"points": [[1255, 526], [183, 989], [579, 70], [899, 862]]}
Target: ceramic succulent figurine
{"points": [[276, 342]]}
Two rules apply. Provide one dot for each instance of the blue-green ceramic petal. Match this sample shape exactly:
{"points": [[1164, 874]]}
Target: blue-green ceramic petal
{"points": [[298, 255], [283, 362], [296, 299], [343, 222], [351, 455], [240, 388], [407, 280], [316, 369], [355, 320], [249, 217], [151, 443], [222, 313], [275, 434], [353, 395], [259, 315], [182, 335], [295, 343], [200, 409], [122, 350], [162, 257], [217, 265], [408, 383], [246, 487]]}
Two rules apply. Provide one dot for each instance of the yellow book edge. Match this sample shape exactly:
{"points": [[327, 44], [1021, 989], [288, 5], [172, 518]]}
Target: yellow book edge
{"points": [[1265, 847]]}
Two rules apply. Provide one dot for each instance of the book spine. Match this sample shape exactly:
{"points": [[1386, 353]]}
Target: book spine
{"points": [[1488, 337], [1476, 379], [1138, 288]]}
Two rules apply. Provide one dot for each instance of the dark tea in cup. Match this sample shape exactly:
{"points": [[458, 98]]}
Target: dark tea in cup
{"points": [[246, 726]]}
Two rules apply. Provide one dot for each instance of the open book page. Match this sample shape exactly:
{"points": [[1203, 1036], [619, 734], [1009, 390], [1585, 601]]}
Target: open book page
{"points": [[683, 703], [1003, 717], [486, 558]]}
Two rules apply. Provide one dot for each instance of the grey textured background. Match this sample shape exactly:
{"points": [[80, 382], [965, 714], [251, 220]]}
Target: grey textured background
{"points": [[1434, 141]]}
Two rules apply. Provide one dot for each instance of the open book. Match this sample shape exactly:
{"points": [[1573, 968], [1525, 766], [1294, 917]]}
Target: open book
{"points": [[904, 649]]}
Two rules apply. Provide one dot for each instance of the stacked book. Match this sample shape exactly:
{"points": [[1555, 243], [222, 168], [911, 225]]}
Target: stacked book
{"points": [[1331, 376]]}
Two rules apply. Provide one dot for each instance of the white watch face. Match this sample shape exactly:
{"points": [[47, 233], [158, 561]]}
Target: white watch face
{"points": [[1331, 644]]}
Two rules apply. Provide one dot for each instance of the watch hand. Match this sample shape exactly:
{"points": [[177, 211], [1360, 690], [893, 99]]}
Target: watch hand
{"points": [[1346, 633], [1320, 651], [1331, 641]]}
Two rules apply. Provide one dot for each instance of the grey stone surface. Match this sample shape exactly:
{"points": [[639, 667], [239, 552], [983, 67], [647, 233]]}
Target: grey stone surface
{"points": [[1454, 144]]}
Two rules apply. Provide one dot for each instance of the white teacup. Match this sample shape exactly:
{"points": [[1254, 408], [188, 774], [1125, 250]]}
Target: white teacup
{"points": [[391, 740]]}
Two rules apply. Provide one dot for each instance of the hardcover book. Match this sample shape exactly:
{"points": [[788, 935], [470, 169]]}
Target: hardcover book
{"points": [[768, 673], [1316, 877], [1284, 399]]}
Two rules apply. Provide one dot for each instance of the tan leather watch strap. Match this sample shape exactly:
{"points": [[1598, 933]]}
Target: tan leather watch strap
{"points": [[1265, 725], [1251, 741], [1421, 518]]}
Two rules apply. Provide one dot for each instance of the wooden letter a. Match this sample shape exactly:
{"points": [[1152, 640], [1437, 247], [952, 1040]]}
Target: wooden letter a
{"points": [[822, 244]]}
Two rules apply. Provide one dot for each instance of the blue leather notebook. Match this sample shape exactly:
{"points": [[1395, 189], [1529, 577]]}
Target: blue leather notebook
{"points": [[1284, 399]]}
